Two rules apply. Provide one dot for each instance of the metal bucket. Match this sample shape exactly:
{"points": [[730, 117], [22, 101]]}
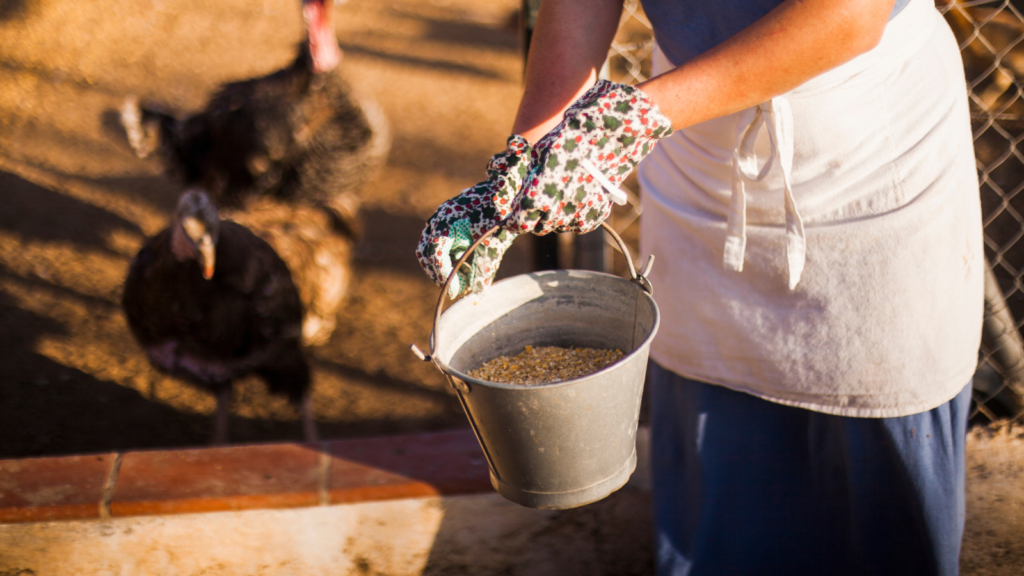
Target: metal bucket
{"points": [[564, 444]]}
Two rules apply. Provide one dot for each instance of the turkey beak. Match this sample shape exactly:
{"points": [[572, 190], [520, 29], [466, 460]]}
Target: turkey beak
{"points": [[207, 251]]}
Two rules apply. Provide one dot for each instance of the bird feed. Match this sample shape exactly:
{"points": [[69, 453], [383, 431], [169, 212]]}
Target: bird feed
{"points": [[545, 365]]}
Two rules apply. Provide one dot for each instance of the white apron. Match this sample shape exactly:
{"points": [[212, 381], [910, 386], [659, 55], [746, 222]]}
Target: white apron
{"points": [[824, 249]]}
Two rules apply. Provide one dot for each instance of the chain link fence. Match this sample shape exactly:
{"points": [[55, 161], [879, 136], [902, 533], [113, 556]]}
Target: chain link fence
{"points": [[990, 34], [991, 37]]}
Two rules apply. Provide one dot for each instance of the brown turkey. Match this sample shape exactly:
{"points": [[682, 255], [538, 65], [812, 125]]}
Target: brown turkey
{"points": [[318, 247], [298, 134], [210, 302]]}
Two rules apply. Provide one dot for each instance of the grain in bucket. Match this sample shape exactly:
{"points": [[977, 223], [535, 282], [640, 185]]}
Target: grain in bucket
{"points": [[563, 444]]}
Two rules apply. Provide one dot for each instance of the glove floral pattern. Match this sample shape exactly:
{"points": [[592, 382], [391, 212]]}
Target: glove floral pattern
{"points": [[460, 221], [613, 126]]}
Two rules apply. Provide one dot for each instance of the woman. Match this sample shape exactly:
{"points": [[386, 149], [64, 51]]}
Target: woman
{"points": [[816, 222]]}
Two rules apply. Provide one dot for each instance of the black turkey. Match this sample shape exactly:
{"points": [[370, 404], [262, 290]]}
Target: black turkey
{"points": [[210, 302], [298, 134]]}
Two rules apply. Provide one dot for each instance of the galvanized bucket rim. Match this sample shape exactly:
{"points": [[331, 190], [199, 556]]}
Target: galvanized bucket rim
{"points": [[447, 368]]}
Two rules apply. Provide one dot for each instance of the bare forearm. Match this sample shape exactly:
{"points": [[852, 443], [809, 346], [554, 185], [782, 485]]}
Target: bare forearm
{"points": [[570, 43], [795, 42]]}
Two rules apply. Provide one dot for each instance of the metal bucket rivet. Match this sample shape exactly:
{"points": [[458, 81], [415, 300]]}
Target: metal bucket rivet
{"points": [[564, 444]]}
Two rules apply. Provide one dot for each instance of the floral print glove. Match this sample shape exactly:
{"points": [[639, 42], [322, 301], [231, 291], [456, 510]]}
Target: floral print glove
{"points": [[461, 220], [611, 127]]}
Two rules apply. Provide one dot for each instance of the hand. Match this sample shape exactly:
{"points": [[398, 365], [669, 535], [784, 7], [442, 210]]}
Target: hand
{"points": [[461, 220], [612, 126]]}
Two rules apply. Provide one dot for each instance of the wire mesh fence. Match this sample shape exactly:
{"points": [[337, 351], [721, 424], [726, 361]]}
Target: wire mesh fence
{"points": [[990, 34], [991, 38]]}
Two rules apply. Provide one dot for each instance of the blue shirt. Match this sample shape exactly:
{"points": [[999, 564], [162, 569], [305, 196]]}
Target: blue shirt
{"points": [[685, 29]]}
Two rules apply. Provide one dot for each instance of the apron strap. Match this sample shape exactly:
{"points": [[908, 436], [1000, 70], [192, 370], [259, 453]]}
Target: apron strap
{"points": [[778, 117]]}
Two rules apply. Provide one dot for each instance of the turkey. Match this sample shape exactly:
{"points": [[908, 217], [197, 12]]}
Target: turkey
{"points": [[298, 134], [317, 245], [210, 302], [285, 153]]}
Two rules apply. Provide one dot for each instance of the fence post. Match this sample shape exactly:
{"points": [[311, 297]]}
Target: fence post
{"points": [[1006, 348]]}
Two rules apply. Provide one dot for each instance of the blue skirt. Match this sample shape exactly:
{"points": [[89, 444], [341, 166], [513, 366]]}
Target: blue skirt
{"points": [[746, 486]]}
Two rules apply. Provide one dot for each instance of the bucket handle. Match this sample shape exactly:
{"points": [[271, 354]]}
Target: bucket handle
{"points": [[639, 277]]}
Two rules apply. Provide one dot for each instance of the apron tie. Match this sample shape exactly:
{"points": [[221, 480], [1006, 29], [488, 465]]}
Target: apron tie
{"points": [[777, 116]]}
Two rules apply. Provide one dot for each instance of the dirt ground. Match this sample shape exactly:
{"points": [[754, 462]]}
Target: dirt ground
{"points": [[993, 544], [76, 204]]}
